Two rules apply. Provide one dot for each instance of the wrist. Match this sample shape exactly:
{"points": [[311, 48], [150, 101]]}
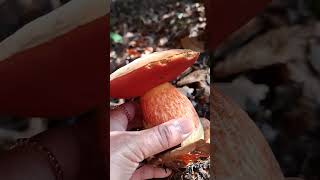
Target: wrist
{"points": [[32, 146]]}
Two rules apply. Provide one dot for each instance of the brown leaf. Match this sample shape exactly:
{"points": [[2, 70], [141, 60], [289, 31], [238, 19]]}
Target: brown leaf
{"points": [[196, 76], [275, 47], [192, 43], [300, 72], [206, 90], [201, 78]]}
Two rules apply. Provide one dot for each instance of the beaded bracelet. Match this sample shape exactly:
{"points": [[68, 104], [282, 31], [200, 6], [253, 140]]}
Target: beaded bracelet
{"points": [[30, 143]]}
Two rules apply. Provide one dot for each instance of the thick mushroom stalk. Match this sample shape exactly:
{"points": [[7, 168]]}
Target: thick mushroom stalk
{"points": [[164, 103]]}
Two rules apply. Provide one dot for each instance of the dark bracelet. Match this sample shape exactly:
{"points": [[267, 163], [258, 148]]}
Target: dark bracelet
{"points": [[30, 143]]}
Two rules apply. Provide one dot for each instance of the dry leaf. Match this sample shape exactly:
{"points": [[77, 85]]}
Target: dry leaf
{"points": [[275, 47], [196, 76], [206, 90], [201, 78], [192, 43], [300, 72], [240, 151], [242, 91]]}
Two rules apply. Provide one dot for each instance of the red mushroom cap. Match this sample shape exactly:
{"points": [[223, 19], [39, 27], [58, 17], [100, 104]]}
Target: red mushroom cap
{"points": [[149, 71]]}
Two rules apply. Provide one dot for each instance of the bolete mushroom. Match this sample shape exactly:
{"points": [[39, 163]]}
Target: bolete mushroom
{"points": [[240, 150], [36, 62], [147, 78]]}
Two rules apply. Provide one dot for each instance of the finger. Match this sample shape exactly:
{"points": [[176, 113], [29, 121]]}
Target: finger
{"points": [[149, 172], [160, 138], [136, 123], [121, 116]]}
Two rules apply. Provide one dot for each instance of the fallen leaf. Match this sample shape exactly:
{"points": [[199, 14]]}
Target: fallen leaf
{"points": [[196, 76], [300, 72], [275, 47], [192, 43], [206, 90]]}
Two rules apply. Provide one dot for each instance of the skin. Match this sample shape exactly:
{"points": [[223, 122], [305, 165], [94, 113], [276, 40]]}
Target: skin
{"points": [[129, 148]]}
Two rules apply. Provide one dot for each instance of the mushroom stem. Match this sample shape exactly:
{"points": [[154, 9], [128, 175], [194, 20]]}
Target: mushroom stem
{"points": [[164, 103]]}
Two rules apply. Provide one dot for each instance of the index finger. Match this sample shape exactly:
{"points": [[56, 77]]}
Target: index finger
{"points": [[125, 117]]}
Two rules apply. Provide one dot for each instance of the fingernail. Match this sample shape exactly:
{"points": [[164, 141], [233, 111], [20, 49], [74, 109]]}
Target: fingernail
{"points": [[128, 109], [185, 126]]}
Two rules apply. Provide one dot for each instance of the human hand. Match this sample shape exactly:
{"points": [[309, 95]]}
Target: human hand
{"points": [[129, 148]]}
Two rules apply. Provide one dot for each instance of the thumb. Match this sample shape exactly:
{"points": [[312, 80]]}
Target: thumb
{"points": [[160, 138]]}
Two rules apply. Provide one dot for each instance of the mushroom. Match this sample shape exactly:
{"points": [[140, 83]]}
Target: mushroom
{"points": [[147, 78], [54, 66], [240, 150]]}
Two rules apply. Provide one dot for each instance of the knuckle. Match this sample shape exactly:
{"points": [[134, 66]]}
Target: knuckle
{"points": [[164, 134]]}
